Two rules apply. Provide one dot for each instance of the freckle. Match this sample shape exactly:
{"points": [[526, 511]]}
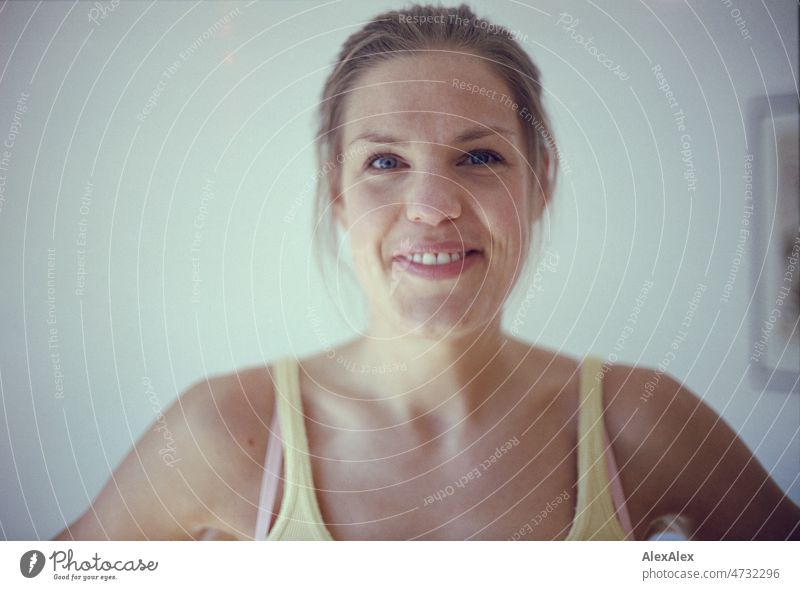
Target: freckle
{"points": [[250, 441]]}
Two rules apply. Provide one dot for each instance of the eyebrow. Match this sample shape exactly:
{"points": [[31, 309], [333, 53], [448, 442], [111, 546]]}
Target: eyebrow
{"points": [[471, 134]]}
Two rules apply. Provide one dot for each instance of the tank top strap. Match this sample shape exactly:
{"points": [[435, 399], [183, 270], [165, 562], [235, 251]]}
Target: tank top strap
{"points": [[595, 515], [299, 513]]}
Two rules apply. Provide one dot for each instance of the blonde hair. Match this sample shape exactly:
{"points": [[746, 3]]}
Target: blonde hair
{"points": [[422, 28]]}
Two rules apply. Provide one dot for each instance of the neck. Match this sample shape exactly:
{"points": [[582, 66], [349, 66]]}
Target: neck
{"points": [[447, 376]]}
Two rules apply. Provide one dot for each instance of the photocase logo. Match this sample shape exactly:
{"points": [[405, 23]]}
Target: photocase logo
{"points": [[31, 563]]}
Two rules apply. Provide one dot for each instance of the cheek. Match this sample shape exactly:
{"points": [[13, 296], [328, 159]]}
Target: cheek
{"points": [[364, 195], [508, 220], [368, 220]]}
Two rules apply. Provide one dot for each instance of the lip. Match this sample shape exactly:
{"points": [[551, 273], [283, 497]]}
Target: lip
{"points": [[437, 271]]}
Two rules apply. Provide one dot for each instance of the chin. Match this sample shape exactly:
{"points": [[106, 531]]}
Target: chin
{"points": [[445, 321]]}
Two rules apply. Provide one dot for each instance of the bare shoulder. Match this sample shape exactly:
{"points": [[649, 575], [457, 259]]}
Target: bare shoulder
{"points": [[238, 403], [179, 475], [681, 462], [230, 414]]}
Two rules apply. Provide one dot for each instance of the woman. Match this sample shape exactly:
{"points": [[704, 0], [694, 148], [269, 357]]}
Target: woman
{"points": [[438, 162]]}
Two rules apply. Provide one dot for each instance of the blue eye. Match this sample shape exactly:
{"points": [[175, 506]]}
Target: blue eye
{"points": [[382, 162], [482, 157]]}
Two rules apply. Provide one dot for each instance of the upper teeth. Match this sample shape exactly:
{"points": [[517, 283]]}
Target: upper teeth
{"points": [[435, 257]]}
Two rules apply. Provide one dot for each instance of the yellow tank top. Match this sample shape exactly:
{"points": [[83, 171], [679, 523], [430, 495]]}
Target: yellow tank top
{"points": [[299, 516]]}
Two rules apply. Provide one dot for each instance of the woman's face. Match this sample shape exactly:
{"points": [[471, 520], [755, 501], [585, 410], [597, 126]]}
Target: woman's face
{"points": [[433, 161]]}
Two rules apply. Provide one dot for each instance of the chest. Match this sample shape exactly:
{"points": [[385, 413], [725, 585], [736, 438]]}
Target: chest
{"points": [[513, 478]]}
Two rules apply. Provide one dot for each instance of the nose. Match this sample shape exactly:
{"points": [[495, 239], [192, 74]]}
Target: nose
{"points": [[432, 199]]}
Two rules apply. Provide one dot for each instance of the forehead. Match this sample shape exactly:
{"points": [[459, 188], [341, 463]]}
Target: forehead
{"points": [[428, 97]]}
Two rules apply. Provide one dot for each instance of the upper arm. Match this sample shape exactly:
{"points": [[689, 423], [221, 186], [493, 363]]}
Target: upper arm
{"points": [[167, 486], [680, 458]]}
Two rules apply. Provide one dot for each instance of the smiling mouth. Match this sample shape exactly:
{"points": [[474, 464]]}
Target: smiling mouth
{"points": [[436, 258], [433, 266]]}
